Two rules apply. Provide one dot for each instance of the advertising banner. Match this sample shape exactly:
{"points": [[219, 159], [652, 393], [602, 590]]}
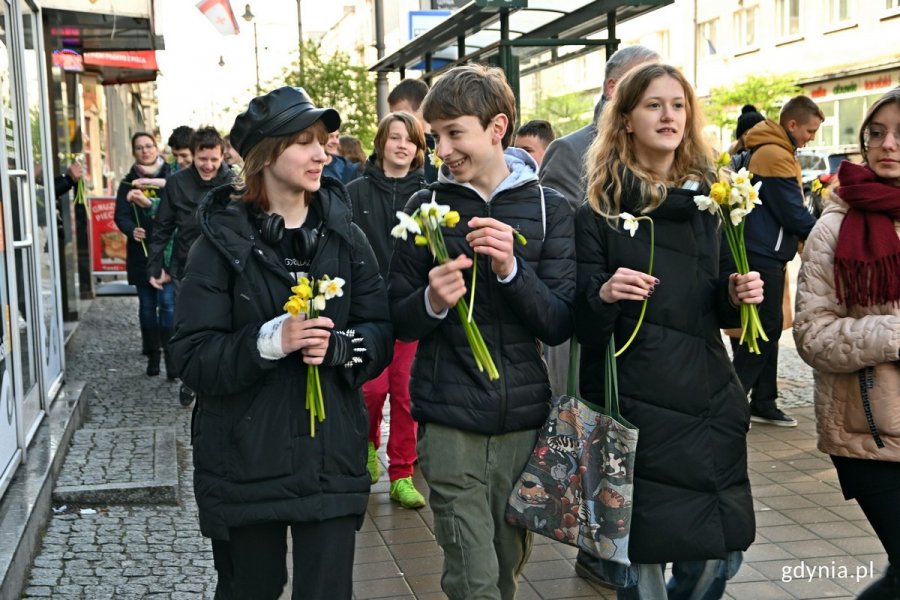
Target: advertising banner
{"points": [[107, 242]]}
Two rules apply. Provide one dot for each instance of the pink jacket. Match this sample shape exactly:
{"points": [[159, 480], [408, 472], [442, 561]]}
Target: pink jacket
{"points": [[838, 343]]}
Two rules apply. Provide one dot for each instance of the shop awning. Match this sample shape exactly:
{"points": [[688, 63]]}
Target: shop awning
{"points": [[101, 26], [122, 67]]}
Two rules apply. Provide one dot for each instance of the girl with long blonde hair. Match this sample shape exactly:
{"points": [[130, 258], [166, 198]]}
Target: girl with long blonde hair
{"points": [[692, 503]]}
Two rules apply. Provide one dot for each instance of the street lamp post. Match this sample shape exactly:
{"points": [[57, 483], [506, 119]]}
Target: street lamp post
{"points": [[300, 37], [248, 16]]}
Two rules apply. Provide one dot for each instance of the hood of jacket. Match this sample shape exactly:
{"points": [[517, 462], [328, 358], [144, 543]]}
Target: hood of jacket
{"points": [[227, 223], [522, 170], [769, 132], [412, 181]]}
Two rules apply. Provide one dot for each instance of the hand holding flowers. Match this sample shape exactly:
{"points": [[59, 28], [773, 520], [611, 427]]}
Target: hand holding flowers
{"points": [[732, 197], [446, 284], [627, 284], [308, 332]]}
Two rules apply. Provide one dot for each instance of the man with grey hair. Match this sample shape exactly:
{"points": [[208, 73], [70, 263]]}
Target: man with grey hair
{"points": [[563, 169], [563, 164]]}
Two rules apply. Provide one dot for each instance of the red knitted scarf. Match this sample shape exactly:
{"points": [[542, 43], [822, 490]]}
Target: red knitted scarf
{"points": [[867, 256]]}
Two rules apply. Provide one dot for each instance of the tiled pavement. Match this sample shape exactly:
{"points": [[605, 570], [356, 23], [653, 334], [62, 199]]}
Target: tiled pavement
{"points": [[155, 551], [803, 524]]}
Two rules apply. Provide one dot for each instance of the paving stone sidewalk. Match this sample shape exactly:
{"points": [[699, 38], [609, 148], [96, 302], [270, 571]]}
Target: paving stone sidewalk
{"points": [[155, 551]]}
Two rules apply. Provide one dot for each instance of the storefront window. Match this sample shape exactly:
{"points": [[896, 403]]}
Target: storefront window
{"points": [[825, 135], [851, 115]]}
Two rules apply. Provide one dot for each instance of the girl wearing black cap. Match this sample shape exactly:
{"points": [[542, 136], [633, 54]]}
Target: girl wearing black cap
{"points": [[258, 467]]}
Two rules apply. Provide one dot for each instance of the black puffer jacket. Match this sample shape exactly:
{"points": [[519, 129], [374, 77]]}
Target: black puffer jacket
{"points": [[445, 385], [254, 458], [376, 198], [676, 383], [128, 217], [177, 217]]}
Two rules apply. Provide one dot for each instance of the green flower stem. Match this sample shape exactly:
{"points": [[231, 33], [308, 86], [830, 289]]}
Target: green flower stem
{"points": [[751, 326], [315, 399], [472, 291], [137, 220], [480, 351], [644, 304]]}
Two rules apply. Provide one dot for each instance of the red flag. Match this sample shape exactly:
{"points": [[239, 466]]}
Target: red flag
{"points": [[220, 15]]}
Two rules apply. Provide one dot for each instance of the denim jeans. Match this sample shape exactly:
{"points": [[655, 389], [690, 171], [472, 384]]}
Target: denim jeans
{"points": [[691, 580], [156, 308]]}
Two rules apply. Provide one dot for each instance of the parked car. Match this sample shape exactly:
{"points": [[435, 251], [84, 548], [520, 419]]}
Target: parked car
{"points": [[818, 170]]}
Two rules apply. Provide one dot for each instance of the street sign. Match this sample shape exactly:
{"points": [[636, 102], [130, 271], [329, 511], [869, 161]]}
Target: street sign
{"points": [[503, 3]]}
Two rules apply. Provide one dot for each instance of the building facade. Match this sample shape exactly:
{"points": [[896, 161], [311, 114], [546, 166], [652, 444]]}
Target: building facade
{"points": [[842, 53], [55, 106]]}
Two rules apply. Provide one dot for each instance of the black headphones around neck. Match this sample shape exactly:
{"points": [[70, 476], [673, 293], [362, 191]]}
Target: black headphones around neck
{"points": [[271, 230]]}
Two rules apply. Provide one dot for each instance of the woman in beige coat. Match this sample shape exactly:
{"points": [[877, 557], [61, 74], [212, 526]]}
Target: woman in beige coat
{"points": [[848, 329]]}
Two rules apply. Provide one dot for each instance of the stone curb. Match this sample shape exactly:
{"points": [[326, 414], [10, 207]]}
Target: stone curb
{"points": [[161, 489]]}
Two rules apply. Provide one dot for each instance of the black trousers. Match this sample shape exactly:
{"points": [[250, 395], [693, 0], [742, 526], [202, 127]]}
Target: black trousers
{"points": [[881, 511], [252, 564], [759, 372]]}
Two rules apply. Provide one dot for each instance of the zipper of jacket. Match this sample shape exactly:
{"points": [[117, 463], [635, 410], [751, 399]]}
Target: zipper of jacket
{"points": [[780, 238], [492, 285]]}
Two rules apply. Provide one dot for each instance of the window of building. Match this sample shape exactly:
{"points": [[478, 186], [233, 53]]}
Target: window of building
{"points": [[707, 42], [745, 23], [892, 4], [840, 11], [825, 136], [851, 115], [788, 15]]}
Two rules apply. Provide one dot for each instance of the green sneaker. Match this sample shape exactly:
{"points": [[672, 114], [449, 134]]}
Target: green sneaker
{"points": [[404, 492], [373, 465]]}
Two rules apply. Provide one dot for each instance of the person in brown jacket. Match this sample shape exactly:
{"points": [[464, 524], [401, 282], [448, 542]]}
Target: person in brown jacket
{"points": [[772, 235], [848, 329]]}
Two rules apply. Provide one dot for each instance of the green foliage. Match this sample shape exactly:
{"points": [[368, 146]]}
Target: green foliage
{"points": [[766, 92], [567, 113], [334, 82]]}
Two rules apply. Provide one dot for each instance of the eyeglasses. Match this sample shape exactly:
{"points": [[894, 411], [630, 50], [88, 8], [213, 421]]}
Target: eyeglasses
{"points": [[876, 134], [147, 147]]}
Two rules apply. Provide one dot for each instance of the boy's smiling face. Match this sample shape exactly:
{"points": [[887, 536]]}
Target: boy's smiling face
{"points": [[471, 152]]}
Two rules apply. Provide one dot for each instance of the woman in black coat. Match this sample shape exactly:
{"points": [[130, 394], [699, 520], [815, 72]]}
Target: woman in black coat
{"points": [[259, 467], [692, 504], [137, 201]]}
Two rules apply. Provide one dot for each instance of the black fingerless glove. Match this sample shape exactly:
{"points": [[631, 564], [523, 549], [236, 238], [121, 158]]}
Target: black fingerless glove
{"points": [[345, 348]]}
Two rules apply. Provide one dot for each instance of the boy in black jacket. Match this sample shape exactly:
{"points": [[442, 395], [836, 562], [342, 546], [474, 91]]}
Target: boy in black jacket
{"points": [[475, 434], [393, 173]]}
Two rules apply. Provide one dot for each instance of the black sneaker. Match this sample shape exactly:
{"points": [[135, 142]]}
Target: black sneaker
{"points": [[186, 395], [772, 416]]}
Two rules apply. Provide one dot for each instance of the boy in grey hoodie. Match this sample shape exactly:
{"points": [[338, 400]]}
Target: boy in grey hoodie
{"points": [[476, 434]]}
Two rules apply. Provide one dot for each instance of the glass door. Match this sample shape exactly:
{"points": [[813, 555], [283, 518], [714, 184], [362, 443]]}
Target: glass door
{"points": [[48, 298], [10, 424], [19, 213]]}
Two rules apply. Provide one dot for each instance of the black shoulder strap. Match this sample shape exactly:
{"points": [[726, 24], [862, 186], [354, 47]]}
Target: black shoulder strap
{"points": [[741, 160]]}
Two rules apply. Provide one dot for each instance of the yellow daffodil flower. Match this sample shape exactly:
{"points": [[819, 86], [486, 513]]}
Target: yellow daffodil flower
{"points": [[421, 240], [303, 290], [723, 160], [720, 191], [451, 219], [294, 306]]}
